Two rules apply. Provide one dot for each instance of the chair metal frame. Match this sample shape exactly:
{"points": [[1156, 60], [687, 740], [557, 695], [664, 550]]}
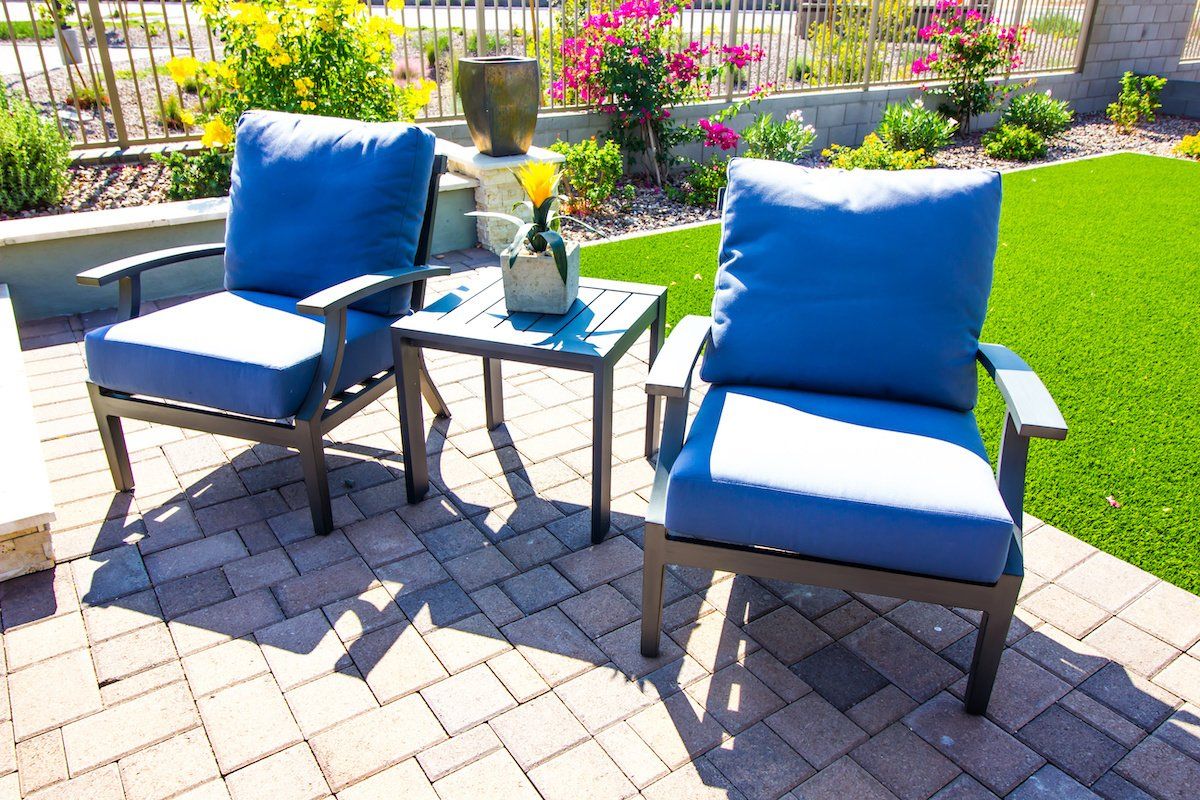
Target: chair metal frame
{"points": [[1031, 413], [317, 417]]}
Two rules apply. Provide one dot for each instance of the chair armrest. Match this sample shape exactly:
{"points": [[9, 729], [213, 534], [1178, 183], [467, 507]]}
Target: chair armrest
{"points": [[136, 265], [1029, 403], [671, 373], [322, 303]]}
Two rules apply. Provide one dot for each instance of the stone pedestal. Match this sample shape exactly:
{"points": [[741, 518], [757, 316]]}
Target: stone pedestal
{"points": [[498, 189]]}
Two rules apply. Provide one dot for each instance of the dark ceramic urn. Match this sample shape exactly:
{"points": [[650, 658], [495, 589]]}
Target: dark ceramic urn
{"points": [[500, 101]]}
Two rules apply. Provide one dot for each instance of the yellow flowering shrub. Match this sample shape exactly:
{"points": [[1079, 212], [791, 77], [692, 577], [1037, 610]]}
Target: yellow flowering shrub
{"points": [[327, 57]]}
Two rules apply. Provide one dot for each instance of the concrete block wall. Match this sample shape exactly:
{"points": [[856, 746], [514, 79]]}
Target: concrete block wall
{"points": [[1145, 36]]}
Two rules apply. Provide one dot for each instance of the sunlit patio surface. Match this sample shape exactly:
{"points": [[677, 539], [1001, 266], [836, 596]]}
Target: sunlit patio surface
{"points": [[200, 642]]}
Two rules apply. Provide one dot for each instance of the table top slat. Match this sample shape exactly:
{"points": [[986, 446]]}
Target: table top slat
{"points": [[473, 318]]}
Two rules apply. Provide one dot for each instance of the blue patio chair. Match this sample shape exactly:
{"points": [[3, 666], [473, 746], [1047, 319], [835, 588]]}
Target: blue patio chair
{"points": [[325, 246], [837, 445]]}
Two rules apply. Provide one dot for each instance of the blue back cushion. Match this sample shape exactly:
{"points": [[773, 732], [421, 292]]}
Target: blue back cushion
{"points": [[318, 200], [854, 282]]}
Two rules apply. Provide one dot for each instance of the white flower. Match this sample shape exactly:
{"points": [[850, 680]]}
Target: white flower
{"points": [[796, 116], [918, 103], [1048, 93]]}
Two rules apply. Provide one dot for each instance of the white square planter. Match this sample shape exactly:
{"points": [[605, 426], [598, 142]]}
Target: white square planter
{"points": [[533, 284]]}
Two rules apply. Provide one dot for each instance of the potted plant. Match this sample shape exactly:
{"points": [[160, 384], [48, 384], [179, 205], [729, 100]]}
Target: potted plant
{"points": [[541, 269], [59, 13]]}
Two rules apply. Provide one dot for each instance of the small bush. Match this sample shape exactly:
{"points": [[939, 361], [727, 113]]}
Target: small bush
{"points": [[175, 117], [592, 170], [1039, 112], [702, 184], [435, 48], [800, 70], [787, 140], [204, 173], [87, 98], [912, 126], [875, 154], [1189, 146], [1058, 25], [33, 157], [1014, 143], [26, 29], [1137, 101]]}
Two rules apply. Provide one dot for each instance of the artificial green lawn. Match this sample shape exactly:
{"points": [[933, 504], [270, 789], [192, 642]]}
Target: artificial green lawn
{"points": [[1098, 287]]}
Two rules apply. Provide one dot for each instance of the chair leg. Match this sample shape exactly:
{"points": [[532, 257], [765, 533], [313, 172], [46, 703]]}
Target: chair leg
{"points": [[430, 391], [652, 588], [989, 645], [316, 479], [112, 436]]}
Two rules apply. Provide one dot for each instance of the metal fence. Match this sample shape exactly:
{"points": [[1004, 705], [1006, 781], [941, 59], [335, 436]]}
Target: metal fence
{"points": [[103, 77], [1191, 48]]}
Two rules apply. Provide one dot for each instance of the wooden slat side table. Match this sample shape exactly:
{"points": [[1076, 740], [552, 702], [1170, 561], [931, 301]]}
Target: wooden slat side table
{"points": [[596, 331]]}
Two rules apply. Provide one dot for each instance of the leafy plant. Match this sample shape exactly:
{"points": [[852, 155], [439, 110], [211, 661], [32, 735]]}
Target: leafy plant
{"points": [[800, 70], [326, 57], [203, 173], [86, 98], [25, 29], [1014, 143], [435, 48], [1189, 146], [787, 140], [703, 182], [631, 64], [875, 154], [1056, 24], [1039, 112], [174, 116], [591, 172], [967, 50], [912, 126], [842, 43], [540, 233], [33, 157], [1137, 101]]}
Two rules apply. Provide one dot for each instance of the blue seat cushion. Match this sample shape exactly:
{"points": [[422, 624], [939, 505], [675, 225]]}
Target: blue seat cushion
{"points": [[854, 282], [866, 482], [245, 352], [317, 200]]}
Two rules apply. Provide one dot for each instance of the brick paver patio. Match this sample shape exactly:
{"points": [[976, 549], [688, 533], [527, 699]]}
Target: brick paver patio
{"points": [[201, 643]]}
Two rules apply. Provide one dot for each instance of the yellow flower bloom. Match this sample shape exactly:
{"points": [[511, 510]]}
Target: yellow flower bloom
{"points": [[187, 118], [307, 105], [267, 37], [395, 5], [303, 86], [280, 59], [216, 134], [539, 179], [183, 69]]}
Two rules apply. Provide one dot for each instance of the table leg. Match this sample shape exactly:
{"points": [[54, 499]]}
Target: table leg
{"points": [[653, 402], [412, 422], [602, 432], [493, 392]]}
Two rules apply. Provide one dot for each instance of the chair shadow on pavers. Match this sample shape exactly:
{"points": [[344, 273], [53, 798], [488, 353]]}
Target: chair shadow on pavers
{"points": [[486, 604]]}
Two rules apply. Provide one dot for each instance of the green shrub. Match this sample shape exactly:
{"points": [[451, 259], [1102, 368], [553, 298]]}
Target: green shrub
{"points": [[1189, 146], [875, 154], [1137, 101], [1014, 143], [912, 126], [787, 140], [841, 43], [435, 48], [1039, 112], [702, 184], [33, 157], [25, 29], [203, 173], [174, 116], [87, 98], [800, 70], [592, 171], [1058, 25]]}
